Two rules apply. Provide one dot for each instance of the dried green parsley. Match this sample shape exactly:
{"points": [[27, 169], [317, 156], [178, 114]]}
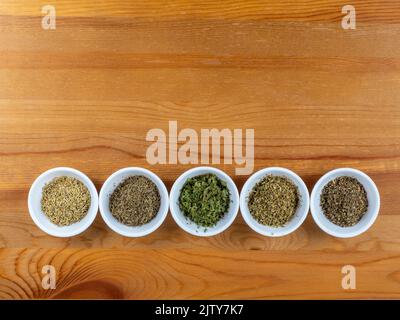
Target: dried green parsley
{"points": [[344, 201], [274, 201], [65, 200], [204, 199]]}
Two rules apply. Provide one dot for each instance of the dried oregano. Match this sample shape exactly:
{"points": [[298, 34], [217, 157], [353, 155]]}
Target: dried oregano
{"points": [[135, 201], [204, 199], [65, 200], [273, 201], [344, 201]]}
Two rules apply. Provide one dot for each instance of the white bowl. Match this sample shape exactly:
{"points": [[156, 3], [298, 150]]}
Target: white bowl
{"points": [[41, 220], [298, 217], [366, 221], [189, 226], [108, 188]]}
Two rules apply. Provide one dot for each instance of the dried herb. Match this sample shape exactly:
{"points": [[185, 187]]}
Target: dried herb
{"points": [[65, 200], [344, 201], [274, 201], [135, 201], [204, 199]]}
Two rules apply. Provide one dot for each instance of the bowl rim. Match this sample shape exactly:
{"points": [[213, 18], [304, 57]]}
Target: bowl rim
{"points": [[114, 224], [91, 214], [317, 212], [175, 190], [260, 228]]}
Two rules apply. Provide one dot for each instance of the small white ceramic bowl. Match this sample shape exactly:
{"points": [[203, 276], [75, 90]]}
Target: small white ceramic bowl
{"points": [[366, 221], [300, 214], [190, 226], [108, 188], [40, 219]]}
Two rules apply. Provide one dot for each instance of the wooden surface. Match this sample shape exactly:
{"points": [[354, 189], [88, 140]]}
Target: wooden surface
{"points": [[319, 97]]}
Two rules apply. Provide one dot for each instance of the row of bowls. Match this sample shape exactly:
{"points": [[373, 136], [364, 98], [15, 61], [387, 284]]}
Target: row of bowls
{"points": [[102, 202]]}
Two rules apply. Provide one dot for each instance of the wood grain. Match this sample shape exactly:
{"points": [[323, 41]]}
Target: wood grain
{"points": [[85, 95], [273, 10], [195, 273]]}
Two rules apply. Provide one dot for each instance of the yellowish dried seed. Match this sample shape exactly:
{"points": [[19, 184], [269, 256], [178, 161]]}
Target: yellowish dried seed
{"points": [[274, 201], [65, 200]]}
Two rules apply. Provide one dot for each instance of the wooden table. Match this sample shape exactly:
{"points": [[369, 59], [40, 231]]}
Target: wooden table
{"points": [[85, 95]]}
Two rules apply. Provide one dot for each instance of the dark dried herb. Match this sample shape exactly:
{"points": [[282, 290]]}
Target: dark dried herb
{"points": [[135, 201], [65, 200], [273, 201], [204, 199], [344, 201]]}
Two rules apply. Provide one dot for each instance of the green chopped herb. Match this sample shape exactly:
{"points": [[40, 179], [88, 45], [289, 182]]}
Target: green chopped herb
{"points": [[204, 199]]}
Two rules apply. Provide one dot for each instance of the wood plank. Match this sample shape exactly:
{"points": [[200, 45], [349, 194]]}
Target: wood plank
{"points": [[85, 95], [195, 273], [384, 11]]}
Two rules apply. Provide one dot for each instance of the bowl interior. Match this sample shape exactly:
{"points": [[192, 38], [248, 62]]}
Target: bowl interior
{"points": [[108, 188], [368, 218], [192, 227], [298, 217], [35, 196]]}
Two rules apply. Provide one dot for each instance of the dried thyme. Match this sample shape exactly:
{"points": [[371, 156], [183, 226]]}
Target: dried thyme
{"points": [[344, 201], [135, 201], [204, 199], [273, 201], [65, 200]]}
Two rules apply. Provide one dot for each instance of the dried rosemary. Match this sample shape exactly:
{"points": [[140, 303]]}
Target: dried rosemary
{"points": [[274, 201], [65, 200], [344, 201], [135, 201], [204, 199]]}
